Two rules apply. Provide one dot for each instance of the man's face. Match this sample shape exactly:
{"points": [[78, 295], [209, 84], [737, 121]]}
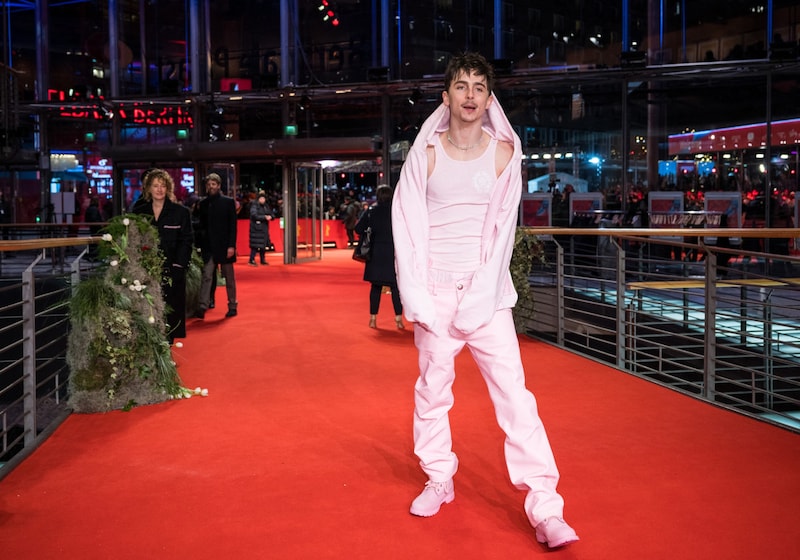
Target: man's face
{"points": [[212, 187], [468, 96]]}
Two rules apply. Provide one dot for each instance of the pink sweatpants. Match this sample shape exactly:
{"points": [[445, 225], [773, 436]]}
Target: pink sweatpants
{"points": [[495, 348]]}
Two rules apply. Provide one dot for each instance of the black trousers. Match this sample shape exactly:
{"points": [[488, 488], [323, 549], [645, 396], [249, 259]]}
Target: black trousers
{"points": [[375, 298]]}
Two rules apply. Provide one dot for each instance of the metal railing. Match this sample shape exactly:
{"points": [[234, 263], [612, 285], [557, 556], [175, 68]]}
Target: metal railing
{"points": [[37, 280], [699, 314]]}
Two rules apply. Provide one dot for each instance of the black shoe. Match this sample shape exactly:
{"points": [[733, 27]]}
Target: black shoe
{"points": [[199, 314], [211, 305], [264, 262], [252, 263], [231, 313]]}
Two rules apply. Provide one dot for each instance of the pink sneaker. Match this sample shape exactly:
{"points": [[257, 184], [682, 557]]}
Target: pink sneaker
{"points": [[433, 496], [555, 532]]}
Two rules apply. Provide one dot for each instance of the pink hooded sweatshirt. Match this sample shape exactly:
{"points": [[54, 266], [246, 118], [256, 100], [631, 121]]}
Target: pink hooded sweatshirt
{"points": [[491, 288]]}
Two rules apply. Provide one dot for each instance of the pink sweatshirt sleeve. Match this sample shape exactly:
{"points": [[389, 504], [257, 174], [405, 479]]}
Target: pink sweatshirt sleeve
{"points": [[410, 232]]}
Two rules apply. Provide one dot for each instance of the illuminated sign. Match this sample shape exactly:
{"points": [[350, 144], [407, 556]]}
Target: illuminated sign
{"points": [[136, 113], [99, 168], [187, 178]]}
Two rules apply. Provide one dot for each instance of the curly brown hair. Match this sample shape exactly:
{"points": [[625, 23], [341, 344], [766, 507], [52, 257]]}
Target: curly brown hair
{"points": [[469, 62], [151, 176]]}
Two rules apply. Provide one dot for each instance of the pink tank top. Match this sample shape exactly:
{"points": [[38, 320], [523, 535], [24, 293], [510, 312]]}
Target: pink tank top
{"points": [[458, 196]]}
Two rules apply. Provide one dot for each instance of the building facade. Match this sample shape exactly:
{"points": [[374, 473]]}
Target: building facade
{"points": [[98, 91]]}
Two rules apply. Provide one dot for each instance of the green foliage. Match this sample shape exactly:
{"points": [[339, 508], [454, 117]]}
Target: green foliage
{"points": [[118, 351], [193, 281], [93, 297], [528, 249]]}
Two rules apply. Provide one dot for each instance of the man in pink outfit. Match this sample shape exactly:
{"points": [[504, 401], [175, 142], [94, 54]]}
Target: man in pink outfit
{"points": [[454, 217]]}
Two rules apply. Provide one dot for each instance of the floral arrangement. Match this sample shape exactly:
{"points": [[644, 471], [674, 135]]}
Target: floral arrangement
{"points": [[118, 352]]}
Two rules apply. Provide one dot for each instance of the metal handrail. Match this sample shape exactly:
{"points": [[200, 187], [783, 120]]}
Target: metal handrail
{"points": [[46, 243], [34, 322], [770, 233], [720, 324]]}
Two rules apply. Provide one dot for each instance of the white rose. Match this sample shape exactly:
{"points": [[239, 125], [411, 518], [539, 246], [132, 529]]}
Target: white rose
{"points": [[114, 263], [151, 319], [107, 237], [204, 392], [126, 222], [124, 280]]}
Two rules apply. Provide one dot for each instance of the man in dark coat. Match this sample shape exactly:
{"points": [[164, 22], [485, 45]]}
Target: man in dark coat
{"points": [[217, 241], [349, 219]]}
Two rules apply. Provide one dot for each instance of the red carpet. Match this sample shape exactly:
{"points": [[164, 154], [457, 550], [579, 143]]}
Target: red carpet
{"points": [[303, 450]]}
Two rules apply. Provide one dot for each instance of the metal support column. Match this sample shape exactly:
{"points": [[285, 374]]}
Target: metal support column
{"points": [[29, 351], [113, 48], [41, 140], [498, 29], [710, 322], [621, 309], [561, 312], [289, 214]]}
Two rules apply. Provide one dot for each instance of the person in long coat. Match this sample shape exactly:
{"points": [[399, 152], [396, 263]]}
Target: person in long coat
{"points": [[175, 238], [379, 269], [260, 216], [217, 242]]}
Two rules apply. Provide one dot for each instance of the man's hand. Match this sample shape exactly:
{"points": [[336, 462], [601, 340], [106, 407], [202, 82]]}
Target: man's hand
{"points": [[231, 252]]}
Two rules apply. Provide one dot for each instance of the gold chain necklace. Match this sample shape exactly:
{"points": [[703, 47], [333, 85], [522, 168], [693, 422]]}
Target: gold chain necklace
{"points": [[464, 148]]}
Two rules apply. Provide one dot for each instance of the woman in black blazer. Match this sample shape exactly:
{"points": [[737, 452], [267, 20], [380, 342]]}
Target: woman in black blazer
{"points": [[379, 270], [174, 223]]}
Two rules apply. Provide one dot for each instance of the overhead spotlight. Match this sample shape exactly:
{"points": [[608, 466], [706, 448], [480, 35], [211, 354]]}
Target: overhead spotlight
{"points": [[415, 96], [328, 13]]}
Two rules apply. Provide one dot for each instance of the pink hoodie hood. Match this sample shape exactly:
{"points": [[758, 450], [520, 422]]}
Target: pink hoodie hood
{"points": [[491, 288]]}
